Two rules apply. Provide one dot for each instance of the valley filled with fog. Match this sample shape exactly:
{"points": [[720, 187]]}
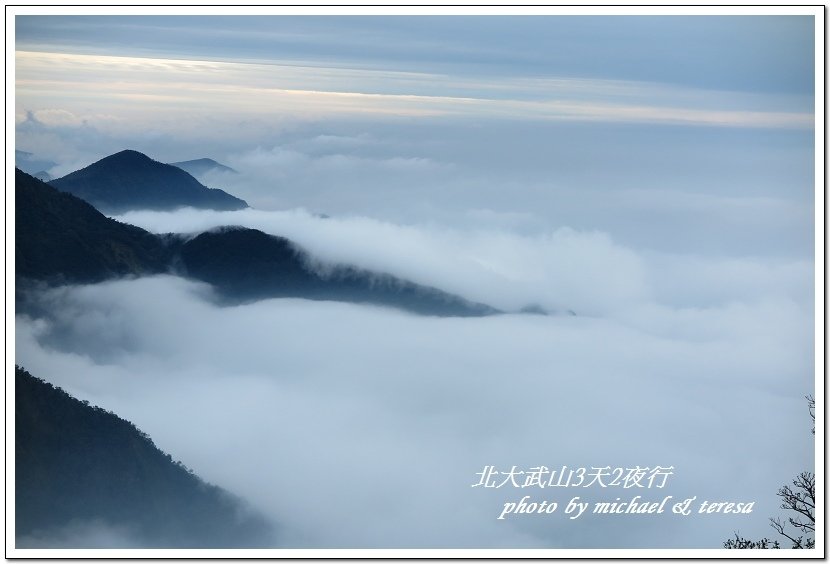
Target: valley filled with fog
{"points": [[646, 240], [361, 426]]}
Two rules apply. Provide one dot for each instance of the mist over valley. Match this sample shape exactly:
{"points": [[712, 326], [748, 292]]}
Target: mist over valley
{"points": [[283, 290]]}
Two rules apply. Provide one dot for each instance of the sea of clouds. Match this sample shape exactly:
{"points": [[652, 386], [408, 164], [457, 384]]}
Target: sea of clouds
{"points": [[685, 255], [360, 426]]}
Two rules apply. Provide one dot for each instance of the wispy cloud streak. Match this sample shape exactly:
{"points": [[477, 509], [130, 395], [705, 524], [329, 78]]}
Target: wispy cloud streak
{"points": [[291, 90]]}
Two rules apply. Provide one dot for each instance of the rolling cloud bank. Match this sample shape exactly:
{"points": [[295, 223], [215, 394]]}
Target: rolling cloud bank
{"points": [[626, 213], [358, 426]]}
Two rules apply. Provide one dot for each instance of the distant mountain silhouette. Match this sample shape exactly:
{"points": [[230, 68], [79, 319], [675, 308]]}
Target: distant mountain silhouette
{"points": [[198, 167], [247, 264], [76, 464], [130, 180], [28, 162], [59, 238]]}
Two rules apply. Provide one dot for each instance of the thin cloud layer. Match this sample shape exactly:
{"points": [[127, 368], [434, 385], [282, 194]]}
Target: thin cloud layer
{"points": [[230, 91]]}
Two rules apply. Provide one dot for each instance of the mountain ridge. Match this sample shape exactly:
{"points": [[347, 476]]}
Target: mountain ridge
{"points": [[130, 180], [248, 264], [79, 464], [30, 163], [60, 239]]}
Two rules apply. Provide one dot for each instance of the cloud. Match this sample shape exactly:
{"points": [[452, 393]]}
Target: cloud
{"points": [[670, 190], [57, 117], [365, 427], [669, 205], [359, 426], [560, 269], [339, 141], [232, 90], [333, 175], [496, 267], [684, 280], [81, 534], [705, 51], [71, 140]]}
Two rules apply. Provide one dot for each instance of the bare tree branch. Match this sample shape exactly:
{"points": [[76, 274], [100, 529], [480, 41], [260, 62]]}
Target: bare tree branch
{"points": [[799, 497], [811, 405], [779, 528]]}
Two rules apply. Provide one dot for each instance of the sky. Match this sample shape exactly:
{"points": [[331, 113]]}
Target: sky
{"points": [[197, 76], [653, 175], [451, 119]]}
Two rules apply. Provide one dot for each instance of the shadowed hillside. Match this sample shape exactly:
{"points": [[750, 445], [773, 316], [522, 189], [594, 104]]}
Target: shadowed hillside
{"points": [[61, 238], [247, 264], [79, 465]]}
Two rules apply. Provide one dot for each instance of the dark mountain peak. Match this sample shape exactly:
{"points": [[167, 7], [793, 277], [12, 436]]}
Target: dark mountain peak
{"points": [[130, 153], [128, 156], [126, 162], [130, 180]]}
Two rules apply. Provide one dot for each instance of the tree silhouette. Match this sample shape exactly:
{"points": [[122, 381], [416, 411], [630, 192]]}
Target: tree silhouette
{"points": [[740, 542], [800, 497]]}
